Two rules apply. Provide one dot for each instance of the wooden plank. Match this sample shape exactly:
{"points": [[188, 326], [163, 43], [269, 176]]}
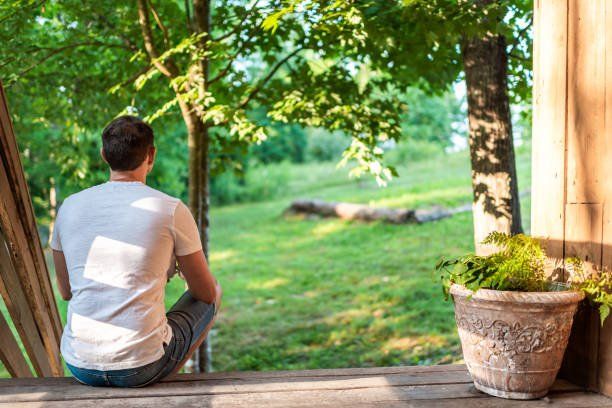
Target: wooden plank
{"points": [[10, 353], [75, 391], [260, 375], [586, 101], [25, 254], [348, 395], [549, 121], [583, 235], [19, 309]]}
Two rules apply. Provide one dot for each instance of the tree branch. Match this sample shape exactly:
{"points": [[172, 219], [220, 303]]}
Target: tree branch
{"points": [[188, 16], [520, 34], [518, 57], [160, 24], [19, 9], [134, 77], [56, 51], [225, 70], [169, 69], [267, 78], [236, 28]]}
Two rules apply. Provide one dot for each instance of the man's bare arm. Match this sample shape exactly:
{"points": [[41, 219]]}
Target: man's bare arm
{"points": [[61, 275], [201, 283]]}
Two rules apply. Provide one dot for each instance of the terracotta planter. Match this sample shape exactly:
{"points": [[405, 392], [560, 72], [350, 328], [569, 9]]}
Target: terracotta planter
{"points": [[513, 342]]}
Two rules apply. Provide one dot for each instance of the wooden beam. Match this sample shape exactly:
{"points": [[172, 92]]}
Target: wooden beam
{"points": [[19, 310], [10, 354], [586, 101], [549, 121], [447, 386]]}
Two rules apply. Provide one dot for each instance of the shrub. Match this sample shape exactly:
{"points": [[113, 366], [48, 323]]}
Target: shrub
{"points": [[257, 184], [325, 146], [407, 151]]}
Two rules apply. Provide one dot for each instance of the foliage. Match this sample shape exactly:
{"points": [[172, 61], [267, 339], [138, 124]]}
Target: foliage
{"points": [[596, 286], [286, 143], [325, 146], [518, 265], [301, 72], [435, 119], [413, 151], [259, 183]]}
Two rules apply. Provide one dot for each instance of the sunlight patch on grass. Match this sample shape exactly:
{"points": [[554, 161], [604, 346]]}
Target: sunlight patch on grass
{"points": [[432, 197], [269, 284], [328, 227], [218, 256]]}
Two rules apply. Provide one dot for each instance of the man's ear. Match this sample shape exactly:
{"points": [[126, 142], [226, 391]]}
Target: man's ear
{"points": [[151, 155], [103, 156]]}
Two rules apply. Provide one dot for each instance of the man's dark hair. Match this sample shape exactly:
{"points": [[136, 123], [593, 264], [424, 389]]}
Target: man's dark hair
{"points": [[126, 142]]}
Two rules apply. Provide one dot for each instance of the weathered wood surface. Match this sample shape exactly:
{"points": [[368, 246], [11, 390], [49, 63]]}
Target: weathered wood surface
{"points": [[572, 161], [351, 211], [435, 386], [24, 279], [10, 354], [549, 120]]}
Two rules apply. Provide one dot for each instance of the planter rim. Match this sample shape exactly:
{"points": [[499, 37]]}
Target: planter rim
{"points": [[554, 297]]}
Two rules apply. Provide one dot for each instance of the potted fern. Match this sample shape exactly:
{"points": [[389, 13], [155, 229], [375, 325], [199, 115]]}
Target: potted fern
{"points": [[513, 322]]}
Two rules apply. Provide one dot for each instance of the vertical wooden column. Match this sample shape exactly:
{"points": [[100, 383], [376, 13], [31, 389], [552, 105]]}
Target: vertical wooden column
{"points": [[549, 123], [572, 162]]}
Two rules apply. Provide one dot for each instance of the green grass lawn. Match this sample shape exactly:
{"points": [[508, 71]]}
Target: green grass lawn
{"points": [[321, 293]]}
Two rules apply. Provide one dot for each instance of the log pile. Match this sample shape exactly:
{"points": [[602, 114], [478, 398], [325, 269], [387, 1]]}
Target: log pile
{"points": [[350, 211]]}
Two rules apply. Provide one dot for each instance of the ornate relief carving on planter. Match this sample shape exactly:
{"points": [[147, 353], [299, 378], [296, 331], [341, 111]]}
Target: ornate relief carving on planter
{"points": [[513, 342]]}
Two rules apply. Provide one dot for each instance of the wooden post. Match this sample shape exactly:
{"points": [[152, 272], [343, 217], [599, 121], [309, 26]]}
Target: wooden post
{"points": [[572, 162]]}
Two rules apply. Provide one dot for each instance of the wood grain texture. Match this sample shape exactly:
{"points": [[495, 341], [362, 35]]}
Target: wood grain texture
{"points": [[549, 121], [586, 101], [572, 161], [19, 309], [10, 354], [372, 387]]}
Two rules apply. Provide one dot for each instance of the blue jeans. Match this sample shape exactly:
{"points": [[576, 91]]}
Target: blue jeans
{"points": [[189, 318]]}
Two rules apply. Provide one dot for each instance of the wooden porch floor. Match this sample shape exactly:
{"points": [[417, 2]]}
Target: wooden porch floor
{"points": [[435, 386]]}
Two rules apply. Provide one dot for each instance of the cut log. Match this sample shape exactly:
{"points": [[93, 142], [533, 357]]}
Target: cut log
{"points": [[350, 211]]}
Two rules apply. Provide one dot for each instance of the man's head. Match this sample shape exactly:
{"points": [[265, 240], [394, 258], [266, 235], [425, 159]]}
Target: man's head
{"points": [[127, 142]]}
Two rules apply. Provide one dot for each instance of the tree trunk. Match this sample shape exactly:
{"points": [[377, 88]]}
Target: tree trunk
{"points": [[199, 143], [496, 201]]}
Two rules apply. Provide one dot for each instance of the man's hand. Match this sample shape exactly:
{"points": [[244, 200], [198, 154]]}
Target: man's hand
{"points": [[200, 282]]}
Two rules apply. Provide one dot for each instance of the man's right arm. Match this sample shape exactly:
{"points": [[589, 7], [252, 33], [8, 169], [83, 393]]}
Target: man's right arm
{"points": [[200, 282], [191, 260]]}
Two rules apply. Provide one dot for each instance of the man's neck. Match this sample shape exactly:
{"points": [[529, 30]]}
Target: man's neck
{"points": [[127, 176]]}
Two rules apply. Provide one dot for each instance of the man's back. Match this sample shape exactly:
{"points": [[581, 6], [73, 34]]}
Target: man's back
{"points": [[119, 239]]}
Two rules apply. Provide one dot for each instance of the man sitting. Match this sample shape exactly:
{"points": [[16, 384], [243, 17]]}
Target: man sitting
{"points": [[113, 245]]}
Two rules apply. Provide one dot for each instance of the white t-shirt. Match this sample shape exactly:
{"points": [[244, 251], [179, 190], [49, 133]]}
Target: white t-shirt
{"points": [[119, 240]]}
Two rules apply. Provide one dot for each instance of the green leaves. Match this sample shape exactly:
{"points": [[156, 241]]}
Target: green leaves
{"points": [[597, 287], [519, 266]]}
